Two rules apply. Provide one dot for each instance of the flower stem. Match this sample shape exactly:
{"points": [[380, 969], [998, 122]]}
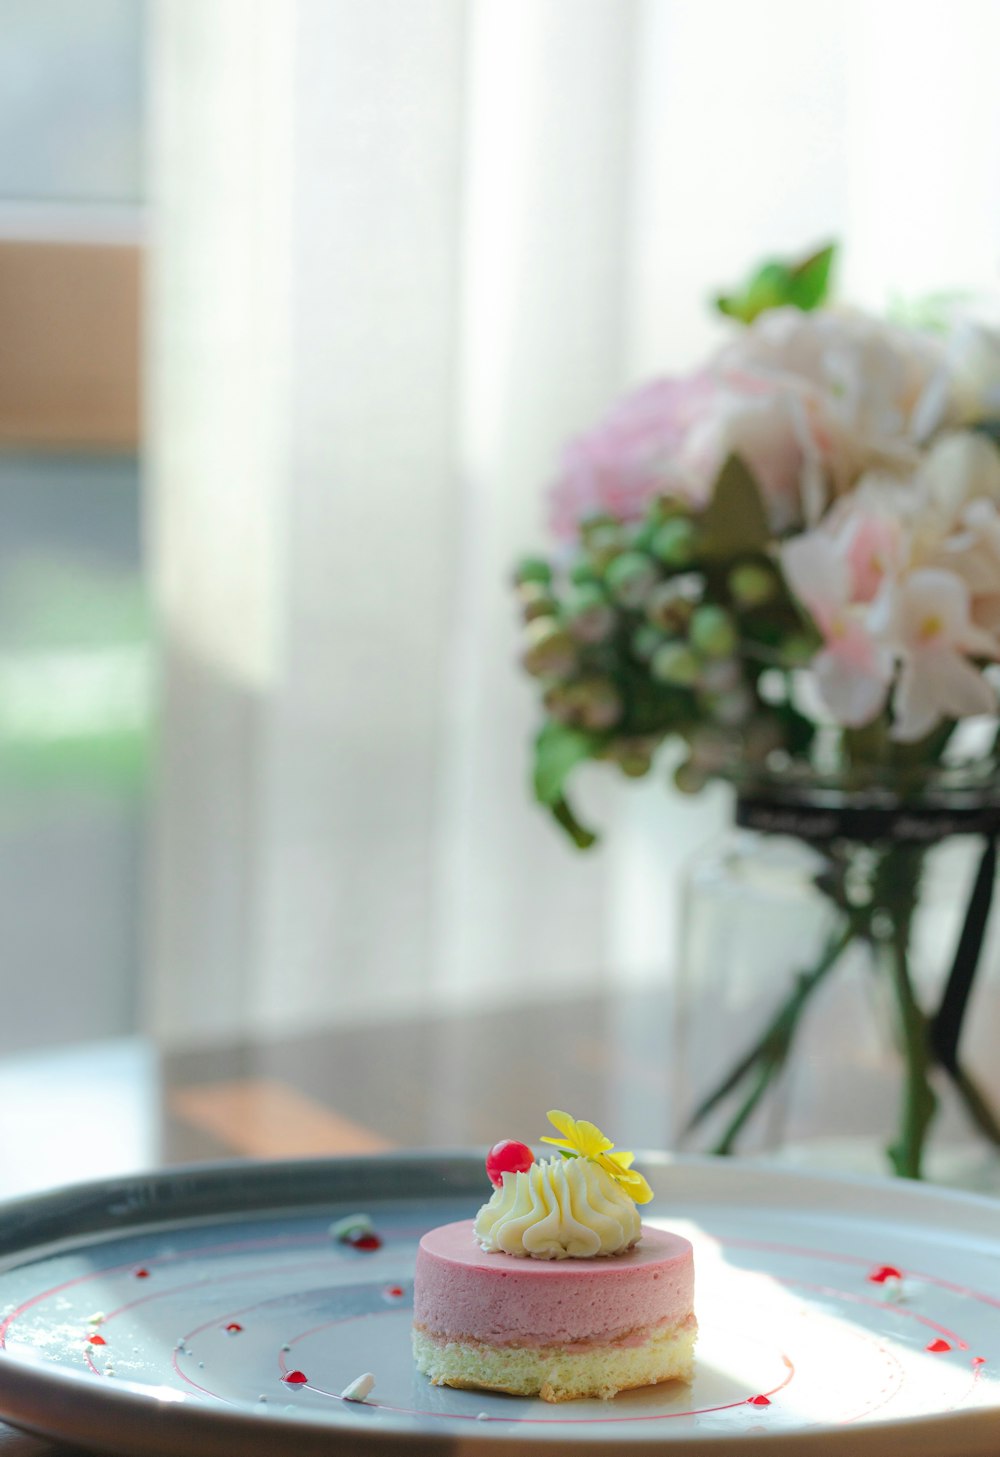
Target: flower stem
{"points": [[976, 1104], [767, 1068], [768, 1054], [919, 1100]]}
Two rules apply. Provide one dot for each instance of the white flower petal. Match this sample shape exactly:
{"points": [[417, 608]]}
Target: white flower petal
{"points": [[854, 698], [959, 468], [973, 361], [813, 490], [915, 706], [962, 690], [934, 684], [931, 602], [933, 406], [973, 559], [816, 572]]}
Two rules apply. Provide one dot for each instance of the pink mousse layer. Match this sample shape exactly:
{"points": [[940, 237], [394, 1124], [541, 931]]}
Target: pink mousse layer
{"points": [[462, 1291]]}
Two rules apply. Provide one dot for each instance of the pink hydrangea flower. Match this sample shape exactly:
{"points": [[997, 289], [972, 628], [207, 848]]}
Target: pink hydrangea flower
{"points": [[673, 436], [809, 401], [631, 456]]}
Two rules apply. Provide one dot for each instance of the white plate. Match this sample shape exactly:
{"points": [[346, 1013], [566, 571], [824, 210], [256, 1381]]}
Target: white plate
{"points": [[801, 1349]]}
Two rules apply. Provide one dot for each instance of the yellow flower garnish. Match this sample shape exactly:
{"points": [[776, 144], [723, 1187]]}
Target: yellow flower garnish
{"points": [[585, 1140]]}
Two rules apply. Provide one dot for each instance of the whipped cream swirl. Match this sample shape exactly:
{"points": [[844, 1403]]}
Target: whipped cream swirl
{"points": [[559, 1209]]}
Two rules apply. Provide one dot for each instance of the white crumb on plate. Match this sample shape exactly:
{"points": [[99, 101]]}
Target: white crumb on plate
{"points": [[351, 1224], [359, 1388]]}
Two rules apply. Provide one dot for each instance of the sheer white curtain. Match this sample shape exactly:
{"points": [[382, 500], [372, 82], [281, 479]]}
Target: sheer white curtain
{"points": [[402, 249]]}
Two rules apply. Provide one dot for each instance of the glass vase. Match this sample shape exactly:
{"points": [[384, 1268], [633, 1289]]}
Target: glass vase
{"points": [[816, 1009]]}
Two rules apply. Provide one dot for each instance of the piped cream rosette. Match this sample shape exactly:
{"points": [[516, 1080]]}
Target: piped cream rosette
{"points": [[559, 1209], [579, 1205]]}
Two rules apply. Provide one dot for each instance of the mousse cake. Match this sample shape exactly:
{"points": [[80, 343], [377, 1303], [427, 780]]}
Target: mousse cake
{"points": [[556, 1289]]}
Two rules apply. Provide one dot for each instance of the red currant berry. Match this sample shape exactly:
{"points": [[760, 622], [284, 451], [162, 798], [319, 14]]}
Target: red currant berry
{"points": [[508, 1157]]}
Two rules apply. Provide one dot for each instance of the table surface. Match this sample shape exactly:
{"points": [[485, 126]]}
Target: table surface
{"points": [[436, 1082]]}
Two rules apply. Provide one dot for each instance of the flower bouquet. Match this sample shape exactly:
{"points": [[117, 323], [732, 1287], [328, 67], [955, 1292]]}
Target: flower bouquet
{"points": [[788, 564]]}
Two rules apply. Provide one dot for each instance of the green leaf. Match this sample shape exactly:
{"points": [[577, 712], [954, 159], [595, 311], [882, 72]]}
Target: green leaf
{"points": [[735, 521], [558, 750], [810, 279], [767, 289], [777, 283], [582, 837]]}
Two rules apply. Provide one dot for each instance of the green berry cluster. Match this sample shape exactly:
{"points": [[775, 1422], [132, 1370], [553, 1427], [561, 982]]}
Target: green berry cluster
{"points": [[648, 631]]}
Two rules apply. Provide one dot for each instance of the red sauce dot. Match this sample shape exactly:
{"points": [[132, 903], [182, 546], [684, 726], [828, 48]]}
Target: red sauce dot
{"points": [[142, 1274], [97, 1340], [937, 1345], [234, 1327], [367, 1241], [979, 1360], [394, 1291], [295, 1378], [758, 1401], [884, 1273]]}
